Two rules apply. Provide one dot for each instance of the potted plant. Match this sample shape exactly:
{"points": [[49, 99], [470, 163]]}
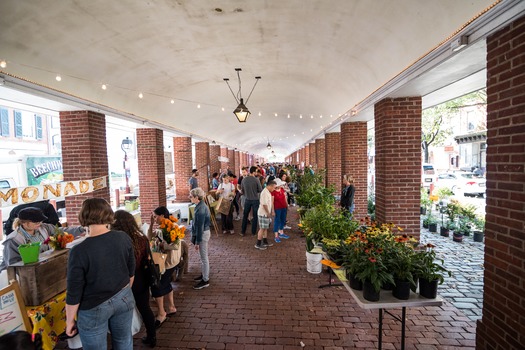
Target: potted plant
{"points": [[430, 273], [479, 228], [401, 264], [425, 201], [447, 227], [432, 223]]}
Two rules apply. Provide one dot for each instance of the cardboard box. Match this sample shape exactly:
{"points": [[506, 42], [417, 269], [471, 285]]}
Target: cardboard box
{"points": [[42, 280]]}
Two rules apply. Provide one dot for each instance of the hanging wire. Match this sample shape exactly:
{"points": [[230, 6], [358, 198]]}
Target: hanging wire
{"points": [[233, 94], [256, 81], [239, 95]]}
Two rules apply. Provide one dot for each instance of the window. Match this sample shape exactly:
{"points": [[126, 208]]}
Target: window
{"points": [[18, 124], [38, 123], [4, 122]]}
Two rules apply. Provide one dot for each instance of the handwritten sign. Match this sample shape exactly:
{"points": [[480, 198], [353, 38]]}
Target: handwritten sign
{"points": [[13, 316], [30, 194]]}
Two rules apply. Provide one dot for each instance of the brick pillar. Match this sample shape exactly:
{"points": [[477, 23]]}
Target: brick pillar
{"points": [[182, 164], [354, 162], [202, 162], [152, 179], [224, 165], [320, 153], [503, 323], [307, 155], [398, 162], [215, 152], [313, 155], [231, 160], [333, 160], [238, 163], [84, 155]]}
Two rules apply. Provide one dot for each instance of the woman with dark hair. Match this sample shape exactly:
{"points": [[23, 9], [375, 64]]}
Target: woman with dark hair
{"points": [[100, 273], [125, 222], [164, 292], [21, 340]]}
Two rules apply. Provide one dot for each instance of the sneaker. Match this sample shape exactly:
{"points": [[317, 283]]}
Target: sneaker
{"points": [[287, 227], [282, 235], [224, 231], [237, 218], [232, 232], [202, 284], [198, 278], [267, 244], [260, 247], [241, 234], [277, 240]]}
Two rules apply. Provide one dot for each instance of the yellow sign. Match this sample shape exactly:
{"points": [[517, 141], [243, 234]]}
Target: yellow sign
{"points": [[30, 194]]}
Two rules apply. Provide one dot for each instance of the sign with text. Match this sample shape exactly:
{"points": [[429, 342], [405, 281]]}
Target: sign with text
{"points": [[13, 315], [44, 170], [224, 159], [30, 194]]}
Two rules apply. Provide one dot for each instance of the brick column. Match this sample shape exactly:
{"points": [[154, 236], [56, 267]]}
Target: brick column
{"points": [[215, 152], [84, 155], [333, 160], [320, 153], [503, 323], [231, 160], [313, 155], [238, 163], [306, 155], [182, 164], [224, 165], [354, 162], [398, 162], [202, 162], [152, 180]]}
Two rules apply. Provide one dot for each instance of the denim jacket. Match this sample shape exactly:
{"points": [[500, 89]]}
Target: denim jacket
{"points": [[201, 222]]}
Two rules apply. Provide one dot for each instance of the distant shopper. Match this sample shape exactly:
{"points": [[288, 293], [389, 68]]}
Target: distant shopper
{"points": [[226, 190], [280, 209], [200, 235], [100, 272], [265, 216], [347, 195], [251, 187], [215, 181], [193, 181]]}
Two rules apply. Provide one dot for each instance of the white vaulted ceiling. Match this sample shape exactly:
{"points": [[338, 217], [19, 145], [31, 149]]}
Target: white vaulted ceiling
{"points": [[316, 58]]}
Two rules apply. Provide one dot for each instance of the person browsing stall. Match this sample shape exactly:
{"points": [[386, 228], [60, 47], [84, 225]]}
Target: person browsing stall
{"points": [[200, 235], [265, 216]]}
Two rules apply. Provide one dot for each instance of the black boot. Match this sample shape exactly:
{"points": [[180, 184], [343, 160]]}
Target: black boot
{"points": [[151, 341]]}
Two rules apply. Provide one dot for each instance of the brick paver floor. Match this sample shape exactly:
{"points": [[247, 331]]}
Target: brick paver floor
{"points": [[267, 300]]}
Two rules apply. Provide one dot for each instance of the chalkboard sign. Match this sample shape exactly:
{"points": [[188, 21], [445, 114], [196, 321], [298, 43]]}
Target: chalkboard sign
{"points": [[13, 316]]}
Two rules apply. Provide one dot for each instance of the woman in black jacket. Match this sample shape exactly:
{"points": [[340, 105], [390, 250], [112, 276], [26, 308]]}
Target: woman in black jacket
{"points": [[347, 195]]}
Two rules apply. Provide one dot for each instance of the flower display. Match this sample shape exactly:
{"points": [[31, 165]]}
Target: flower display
{"points": [[59, 239], [171, 232]]}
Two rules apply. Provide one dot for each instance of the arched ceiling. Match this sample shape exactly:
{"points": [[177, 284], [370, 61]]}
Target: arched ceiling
{"points": [[316, 58]]}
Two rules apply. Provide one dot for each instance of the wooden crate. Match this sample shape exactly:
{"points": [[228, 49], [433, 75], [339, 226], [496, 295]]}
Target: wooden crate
{"points": [[43, 280]]}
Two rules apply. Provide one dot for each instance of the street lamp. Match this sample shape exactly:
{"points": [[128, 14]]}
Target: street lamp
{"points": [[126, 146]]}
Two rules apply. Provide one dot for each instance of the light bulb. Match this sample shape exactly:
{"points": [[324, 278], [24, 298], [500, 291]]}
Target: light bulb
{"points": [[3, 64], [301, 116], [222, 109], [259, 114], [288, 115], [321, 116], [141, 95], [172, 101], [104, 87], [199, 106], [311, 116], [58, 78], [275, 114]]}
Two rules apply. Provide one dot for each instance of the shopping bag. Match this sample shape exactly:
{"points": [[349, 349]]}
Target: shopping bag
{"points": [[224, 206], [160, 259]]}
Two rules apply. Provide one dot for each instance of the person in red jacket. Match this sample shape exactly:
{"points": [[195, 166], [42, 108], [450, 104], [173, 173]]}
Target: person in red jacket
{"points": [[280, 204]]}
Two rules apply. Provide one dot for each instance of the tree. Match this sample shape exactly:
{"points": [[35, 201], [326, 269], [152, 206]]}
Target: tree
{"points": [[436, 125]]}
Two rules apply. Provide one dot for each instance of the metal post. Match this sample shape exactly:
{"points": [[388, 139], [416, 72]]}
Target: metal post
{"points": [[380, 329], [403, 319]]}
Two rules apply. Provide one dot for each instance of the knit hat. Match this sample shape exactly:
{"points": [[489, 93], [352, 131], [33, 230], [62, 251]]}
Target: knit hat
{"points": [[31, 214]]}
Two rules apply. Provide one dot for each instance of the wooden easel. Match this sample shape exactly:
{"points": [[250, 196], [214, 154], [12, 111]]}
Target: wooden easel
{"points": [[212, 215]]}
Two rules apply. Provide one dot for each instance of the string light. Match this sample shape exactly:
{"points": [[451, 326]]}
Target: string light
{"points": [[288, 115], [58, 78], [301, 116], [104, 87], [172, 101], [311, 116], [275, 114], [141, 95], [3, 64], [199, 105], [259, 114], [222, 109]]}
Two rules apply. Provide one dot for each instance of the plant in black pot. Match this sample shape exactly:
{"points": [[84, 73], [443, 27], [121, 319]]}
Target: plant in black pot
{"points": [[430, 273], [447, 228], [479, 228], [401, 264], [432, 223], [425, 201]]}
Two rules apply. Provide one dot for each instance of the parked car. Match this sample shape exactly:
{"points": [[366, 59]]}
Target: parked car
{"points": [[462, 182], [428, 175]]}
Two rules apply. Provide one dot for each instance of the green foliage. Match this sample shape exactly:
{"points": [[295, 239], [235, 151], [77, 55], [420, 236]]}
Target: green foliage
{"points": [[425, 199], [371, 207], [428, 268], [444, 193], [479, 223], [312, 191]]}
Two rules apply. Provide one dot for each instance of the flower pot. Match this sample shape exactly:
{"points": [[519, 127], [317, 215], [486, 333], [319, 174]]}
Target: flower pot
{"points": [[445, 232], [422, 210], [478, 236], [29, 252], [401, 289], [433, 228], [457, 237], [425, 225], [313, 262], [354, 282], [369, 292], [428, 289], [387, 286]]}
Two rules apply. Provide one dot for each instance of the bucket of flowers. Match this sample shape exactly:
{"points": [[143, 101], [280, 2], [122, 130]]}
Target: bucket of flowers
{"points": [[59, 239]]}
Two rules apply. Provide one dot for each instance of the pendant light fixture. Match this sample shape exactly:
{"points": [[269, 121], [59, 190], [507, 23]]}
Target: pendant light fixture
{"points": [[241, 112]]}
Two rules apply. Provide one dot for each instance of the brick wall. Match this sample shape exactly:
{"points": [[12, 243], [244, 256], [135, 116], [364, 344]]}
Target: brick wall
{"points": [[224, 153], [238, 163], [152, 180], [307, 155], [320, 153], [215, 152], [182, 164], [333, 160], [231, 162], [354, 162], [503, 323], [202, 161], [398, 162], [84, 155], [313, 155]]}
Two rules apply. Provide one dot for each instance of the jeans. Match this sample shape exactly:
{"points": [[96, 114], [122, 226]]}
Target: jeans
{"points": [[250, 204], [116, 314], [203, 252], [280, 220]]}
